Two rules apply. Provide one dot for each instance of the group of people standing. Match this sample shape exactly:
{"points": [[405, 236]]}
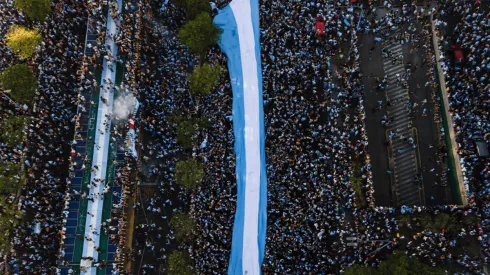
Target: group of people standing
{"points": [[316, 142], [465, 26], [35, 242]]}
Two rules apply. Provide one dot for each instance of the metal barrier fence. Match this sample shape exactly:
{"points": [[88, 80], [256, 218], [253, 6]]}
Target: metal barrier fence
{"points": [[455, 174]]}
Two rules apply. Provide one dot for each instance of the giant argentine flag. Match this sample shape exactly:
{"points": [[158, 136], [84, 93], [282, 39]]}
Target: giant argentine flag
{"points": [[240, 41]]}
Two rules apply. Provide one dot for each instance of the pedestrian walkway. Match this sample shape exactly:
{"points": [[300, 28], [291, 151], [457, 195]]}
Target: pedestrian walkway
{"points": [[404, 162]]}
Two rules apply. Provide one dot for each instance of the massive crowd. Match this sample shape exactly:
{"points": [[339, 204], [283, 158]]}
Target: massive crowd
{"points": [[34, 243], [125, 39], [315, 131], [164, 95], [314, 119], [305, 92], [8, 108], [289, 112], [468, 87]]}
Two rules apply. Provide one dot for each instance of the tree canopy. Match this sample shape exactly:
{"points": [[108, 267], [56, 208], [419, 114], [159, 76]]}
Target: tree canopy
{"points": [[182, 225], [189, 173], [356, 184], [9, 218], [178, 263], [11, 177], [21, 81], [199, 34], [22, 40], [441, 221], [358, 269], [186, 129], [204, 78], [13, 131], [34, 9], [396, 264], [193, 7]]}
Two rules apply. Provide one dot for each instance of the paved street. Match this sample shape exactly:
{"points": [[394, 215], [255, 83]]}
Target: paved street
{"points": [[402, 174], [376, 134], [401, 155], [427, 131]]}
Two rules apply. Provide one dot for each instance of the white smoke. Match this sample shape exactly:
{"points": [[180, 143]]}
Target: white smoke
{"points": [[124, 105]]}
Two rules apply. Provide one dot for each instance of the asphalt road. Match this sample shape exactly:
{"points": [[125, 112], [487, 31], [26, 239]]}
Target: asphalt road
{"points": [[371, 67], [426, 128], [378, 150]]}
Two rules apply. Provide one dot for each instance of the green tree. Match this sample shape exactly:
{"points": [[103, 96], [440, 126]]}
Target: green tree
{"points": [[441, 221], [193, 7], [358, 269], [199, 34], [397, 263], [21, 81], [180, 3], [13, 131], [182, 225], [186, 129], [446, 222], [196, 7], [11, 177], [34, 9], [204, 78], [9, 219], [22, 40], [427, 222], [356, 183], [189, 173], [179, 263], [470, 220]]}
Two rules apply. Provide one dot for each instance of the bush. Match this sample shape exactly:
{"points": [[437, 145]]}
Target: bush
{"points": [[189, 173], [21, 81], [34, 9], [22, 40], [204, 78], [182, 225], [199, 34], [13, 131]]}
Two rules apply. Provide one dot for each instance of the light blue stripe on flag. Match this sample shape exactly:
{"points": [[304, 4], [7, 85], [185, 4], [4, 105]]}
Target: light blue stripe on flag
{"points": [[253, 197], [230, 45]]}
